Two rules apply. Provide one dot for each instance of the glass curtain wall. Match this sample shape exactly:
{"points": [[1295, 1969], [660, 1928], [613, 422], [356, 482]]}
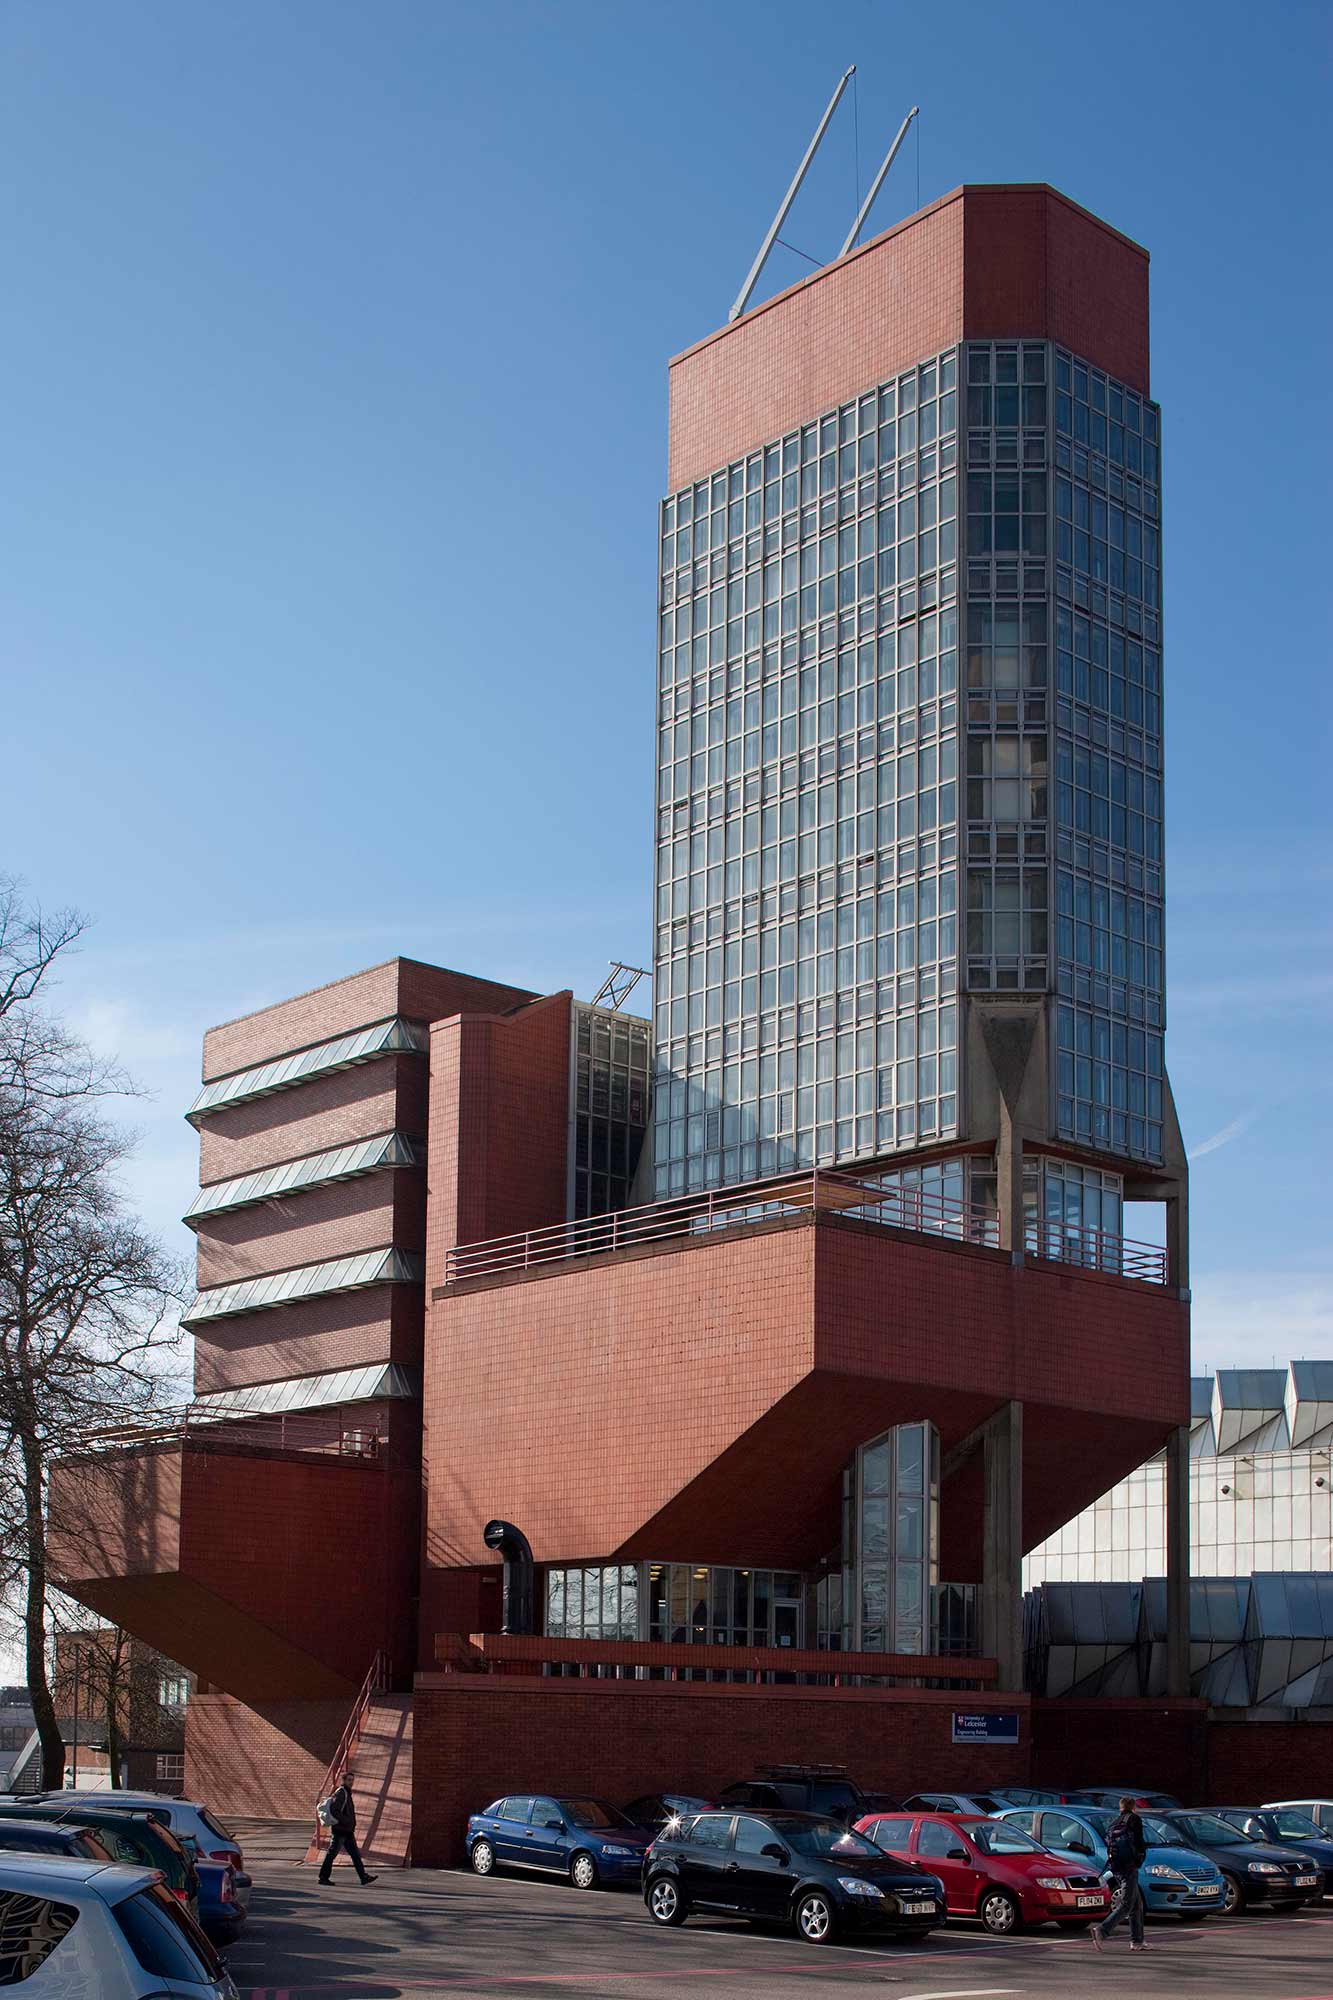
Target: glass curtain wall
{"points": [[610, 1110], [893, 1530], [806, 917]]}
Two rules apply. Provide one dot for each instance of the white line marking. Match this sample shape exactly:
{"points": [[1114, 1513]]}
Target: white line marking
{"points": [[961, 1993]]}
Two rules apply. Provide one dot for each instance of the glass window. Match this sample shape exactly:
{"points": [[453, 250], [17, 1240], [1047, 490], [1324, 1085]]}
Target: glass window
{"points": [[159, 1934], [711, 1830], [31, 1928], [937, 1839], [752, 1836], [893, 1833], [514, 1809]]}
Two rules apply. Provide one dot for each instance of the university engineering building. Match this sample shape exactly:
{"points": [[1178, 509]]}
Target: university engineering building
{"points": [[764, 1337]]}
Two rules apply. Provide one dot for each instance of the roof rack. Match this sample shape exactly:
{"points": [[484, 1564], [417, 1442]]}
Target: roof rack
{"points": [[802, 1770]]}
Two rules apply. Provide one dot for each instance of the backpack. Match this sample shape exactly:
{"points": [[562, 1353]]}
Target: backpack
{"points": [[324, 1811], [1125, 1849]]}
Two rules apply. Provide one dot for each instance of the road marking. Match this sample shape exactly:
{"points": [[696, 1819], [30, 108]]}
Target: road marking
{"points": [[961, 1993]]}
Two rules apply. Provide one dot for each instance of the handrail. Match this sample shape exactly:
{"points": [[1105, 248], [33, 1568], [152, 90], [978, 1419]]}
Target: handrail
{"points": [[739, 1206], [1096, 1250], [488, 1652], [377, 1679], [324, 1431]]}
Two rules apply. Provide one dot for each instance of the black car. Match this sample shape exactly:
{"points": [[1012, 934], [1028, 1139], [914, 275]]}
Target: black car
{"points": [[654, 1809], [133, 1837], [803, 1869], [1283, 1826], [47, 1836], [1252, 1870], [800, 1788]]}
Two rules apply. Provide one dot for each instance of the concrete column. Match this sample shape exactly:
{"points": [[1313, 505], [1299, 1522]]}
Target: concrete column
{"points": [[1178, 1240], [1178, 1562], [1002, 1546], [1009, 1182]]}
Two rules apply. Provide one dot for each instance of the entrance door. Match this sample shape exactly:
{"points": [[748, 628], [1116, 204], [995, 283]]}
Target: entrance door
{"points": [[786, 1628]]}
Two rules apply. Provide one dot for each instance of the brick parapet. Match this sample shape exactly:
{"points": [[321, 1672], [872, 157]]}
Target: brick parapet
{"points": [[314, 1226]]}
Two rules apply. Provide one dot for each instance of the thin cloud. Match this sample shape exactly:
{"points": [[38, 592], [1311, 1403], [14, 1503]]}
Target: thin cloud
{"points": [[1222, 1138]]}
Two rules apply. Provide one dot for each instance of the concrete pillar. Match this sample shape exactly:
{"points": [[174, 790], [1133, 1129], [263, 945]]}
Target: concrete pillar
{"points": [[1178, 1562], [1178, 1239], [1009, 1183], [1002, 1546]]}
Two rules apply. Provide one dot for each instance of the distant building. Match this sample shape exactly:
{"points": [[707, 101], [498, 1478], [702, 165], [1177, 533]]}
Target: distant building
{"points": [[151, 1695]]}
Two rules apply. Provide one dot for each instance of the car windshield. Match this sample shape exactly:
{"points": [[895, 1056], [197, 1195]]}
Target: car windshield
{"points": [[1159, 1833], [1210, 1831], [1296, 1826], [826, 1837], [986, 1802], [591, 1812], [1002, 1838]]}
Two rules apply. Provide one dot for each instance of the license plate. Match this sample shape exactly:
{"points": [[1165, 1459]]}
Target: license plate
{"points": [[1306, 1881], [1088, 1902], [1213, 1891], [918, 1909]]}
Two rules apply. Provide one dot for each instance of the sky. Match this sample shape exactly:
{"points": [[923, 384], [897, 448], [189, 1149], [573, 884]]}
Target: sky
{"points": [[334, 349]]}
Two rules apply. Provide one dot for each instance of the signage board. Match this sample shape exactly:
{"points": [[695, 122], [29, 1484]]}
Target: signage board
{"points": [[985, 1725]]}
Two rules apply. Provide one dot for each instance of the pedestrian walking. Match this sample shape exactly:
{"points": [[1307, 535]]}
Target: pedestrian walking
{"points": [[1126, 1849], [338, 1814]]}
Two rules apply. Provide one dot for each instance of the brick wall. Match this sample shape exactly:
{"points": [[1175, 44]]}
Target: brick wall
{"points": [[384, 1095], [981, 261], [312, 1227], [728, 1382], [1160, 1745], [478, 1736], [344, 1330], [403, 986], [1251, 1760], [260, 1763]]}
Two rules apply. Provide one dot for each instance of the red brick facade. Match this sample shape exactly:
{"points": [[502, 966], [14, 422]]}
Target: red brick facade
{"points": [[982, 261], [260, 1763]]}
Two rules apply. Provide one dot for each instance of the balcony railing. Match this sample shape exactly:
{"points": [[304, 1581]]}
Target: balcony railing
{"points": [[330, 1434], [887, 1202], [752, 1202]]}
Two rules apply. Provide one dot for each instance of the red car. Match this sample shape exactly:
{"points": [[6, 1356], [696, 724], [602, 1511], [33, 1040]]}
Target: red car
{"points": [[992, 1870]]}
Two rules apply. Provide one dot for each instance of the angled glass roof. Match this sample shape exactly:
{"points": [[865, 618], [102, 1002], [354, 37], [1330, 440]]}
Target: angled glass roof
{"points": [[382, 1039], [308, 1281], [387, 1149], [379, 1382], [1244, 1401]]}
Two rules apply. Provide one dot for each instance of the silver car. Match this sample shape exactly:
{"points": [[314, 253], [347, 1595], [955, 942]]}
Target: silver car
{"points": [[70, 1929], [188, 1819]]}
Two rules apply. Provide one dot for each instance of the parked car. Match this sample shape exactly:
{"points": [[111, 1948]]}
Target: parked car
{"points": [[1024, 1795], [813, 1788], [978, 1805], [224, 1900], [1283, 1826], [583, 1839], [47, 1836], [1252, 1870], [1111, 1795], [654, 1809], [993, 1871], [184, 1816], [133, 1837], [94, 1929], [1173, 1877], [1320, 1810], [803, 1869]]}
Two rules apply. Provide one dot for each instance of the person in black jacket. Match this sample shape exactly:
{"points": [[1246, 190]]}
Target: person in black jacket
{"points": [[342, 1832], [1126, 1849]]}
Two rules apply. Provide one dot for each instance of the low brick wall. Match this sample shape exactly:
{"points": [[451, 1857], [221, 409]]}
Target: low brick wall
{"points": [[260, 1763], [478, 1736]]}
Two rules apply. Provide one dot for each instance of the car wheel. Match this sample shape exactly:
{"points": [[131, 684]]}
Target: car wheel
{"points": [[1233, 1896], [664, 1902], [583, 1871], [999, 1912], [482, 1857], [814, 1918]]}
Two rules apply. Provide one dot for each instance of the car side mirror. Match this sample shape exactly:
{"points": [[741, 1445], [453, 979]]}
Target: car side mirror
{"points": [[956, 1854], [555, 1826], [775, 1853]]}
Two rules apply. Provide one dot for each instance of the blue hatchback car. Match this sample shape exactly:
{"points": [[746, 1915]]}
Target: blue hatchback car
{"points": [[1173, 1878], [585, 1840]]}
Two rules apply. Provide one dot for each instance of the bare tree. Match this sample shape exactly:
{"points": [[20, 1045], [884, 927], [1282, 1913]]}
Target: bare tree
{"points": [[87, 1296], [91, 1678], [29, 942]]}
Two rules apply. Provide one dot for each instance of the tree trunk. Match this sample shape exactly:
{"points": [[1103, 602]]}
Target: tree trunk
{"points": [[113, 1742], [34, 1622]]}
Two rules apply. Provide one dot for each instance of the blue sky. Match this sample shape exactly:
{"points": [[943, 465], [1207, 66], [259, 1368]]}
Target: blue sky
{"points": [[334, 349]]}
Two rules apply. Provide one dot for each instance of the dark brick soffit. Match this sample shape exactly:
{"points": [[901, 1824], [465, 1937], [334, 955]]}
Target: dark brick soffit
{"points": [[862, 249], [633, 1253]]}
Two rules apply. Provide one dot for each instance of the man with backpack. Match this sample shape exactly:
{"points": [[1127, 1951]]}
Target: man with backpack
{"points": [[338, 1814], [1126, 1849]]}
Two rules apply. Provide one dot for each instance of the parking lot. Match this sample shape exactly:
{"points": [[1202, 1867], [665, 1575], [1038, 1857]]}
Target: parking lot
{"points": [[420, 1932]]}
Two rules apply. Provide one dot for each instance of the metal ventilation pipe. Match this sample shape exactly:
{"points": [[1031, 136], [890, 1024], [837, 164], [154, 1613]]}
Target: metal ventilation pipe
{"points": [[516, 1554]]}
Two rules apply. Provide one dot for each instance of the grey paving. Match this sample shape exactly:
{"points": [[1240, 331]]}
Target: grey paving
{"points": [[415, 1934]]}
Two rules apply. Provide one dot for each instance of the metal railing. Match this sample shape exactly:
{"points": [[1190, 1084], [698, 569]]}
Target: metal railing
{"points": [[376, 1681], [895, 1206], [1096, 1250], [326, 1433]]}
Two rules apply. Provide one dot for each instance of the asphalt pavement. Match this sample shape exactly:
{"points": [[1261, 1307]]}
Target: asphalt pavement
{"points": [[418, 1933]]}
